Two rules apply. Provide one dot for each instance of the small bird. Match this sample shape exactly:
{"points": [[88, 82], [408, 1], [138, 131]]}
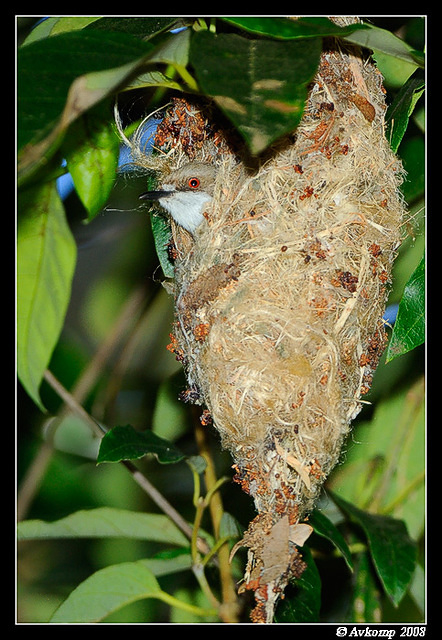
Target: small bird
{"points": [[185, 193]]}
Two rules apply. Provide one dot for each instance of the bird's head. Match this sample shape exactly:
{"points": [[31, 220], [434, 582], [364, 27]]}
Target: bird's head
{"points": [[185, 192]]}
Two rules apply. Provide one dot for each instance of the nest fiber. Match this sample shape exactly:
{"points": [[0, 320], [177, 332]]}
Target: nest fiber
{"points": [[280, 294]]}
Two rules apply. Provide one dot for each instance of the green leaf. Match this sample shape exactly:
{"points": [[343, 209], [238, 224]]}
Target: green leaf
{"points": [[413, 154], [170, 561], [46, 257], [366, 605], [91, 150], [229, 526], [60, 77], [153, 79], [409, 328], [302, 600], [285, 28], [114, 587], [325, 528], [260, 85], [162, 238], [402, 107], [139, 26], [125, 443], [386, 42], [198, 464], [174, 50], [392, 550], [105, 522], [54, 26], [48, 67], [385, 463], [106, 591]]}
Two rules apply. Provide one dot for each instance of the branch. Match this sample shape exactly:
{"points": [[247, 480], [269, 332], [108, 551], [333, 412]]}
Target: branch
{"points": [[229, 610], [139, 478]]}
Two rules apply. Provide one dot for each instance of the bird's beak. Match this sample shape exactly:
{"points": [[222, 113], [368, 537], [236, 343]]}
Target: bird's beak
{"points": [[154, 195]]}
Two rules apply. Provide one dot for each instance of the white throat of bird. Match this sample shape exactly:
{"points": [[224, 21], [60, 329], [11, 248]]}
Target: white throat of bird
{"points": [[185, 193]]}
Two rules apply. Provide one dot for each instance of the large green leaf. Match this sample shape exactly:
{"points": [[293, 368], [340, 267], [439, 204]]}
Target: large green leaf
{"points": [[105, 522], [53, 26], [106, 591], [384, 468], [286, 28], [414, 155], [261, 85], [61, 77], [169, 561], [111, 589], [388, 43], [366, 605], [162, 238], [392, 550], [139, 26], [325, 528], [409, 328], [400, 110], [47, 68], [125, 443], [91, 150], [46, 257]]}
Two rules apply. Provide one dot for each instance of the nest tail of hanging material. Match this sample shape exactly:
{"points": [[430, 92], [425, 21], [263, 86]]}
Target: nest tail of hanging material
{"points": [[280, 294]]}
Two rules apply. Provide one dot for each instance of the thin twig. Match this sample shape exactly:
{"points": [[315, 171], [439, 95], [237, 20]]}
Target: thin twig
{"points": [[131, 310], [164, 505], [107, 398], [139, 478], [32, 479], [229, 609], [72, 404]]}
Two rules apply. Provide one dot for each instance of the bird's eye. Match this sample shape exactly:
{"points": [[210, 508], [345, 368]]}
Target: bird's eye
{"points": [[193, 183]]}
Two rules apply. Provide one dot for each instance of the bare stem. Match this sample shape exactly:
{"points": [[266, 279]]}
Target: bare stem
{"points": [[164, 505], [72, 404], [139, 478], [229, 608]]}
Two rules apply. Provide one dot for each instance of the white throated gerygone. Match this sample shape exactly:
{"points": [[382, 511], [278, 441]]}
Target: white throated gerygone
{"points": [[185, 192]]}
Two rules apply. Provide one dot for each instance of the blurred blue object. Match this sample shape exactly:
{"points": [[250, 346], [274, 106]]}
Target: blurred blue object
{"points": [[144, 141], [391, 313], [125, 159], [141, 144], [65, 184], [144, 135]]}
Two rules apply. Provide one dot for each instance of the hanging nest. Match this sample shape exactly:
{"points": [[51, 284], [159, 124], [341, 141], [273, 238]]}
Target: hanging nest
{"points": [[280, 295]]}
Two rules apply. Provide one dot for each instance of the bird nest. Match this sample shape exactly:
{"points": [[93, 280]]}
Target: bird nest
{"points": [[280, 295]]}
